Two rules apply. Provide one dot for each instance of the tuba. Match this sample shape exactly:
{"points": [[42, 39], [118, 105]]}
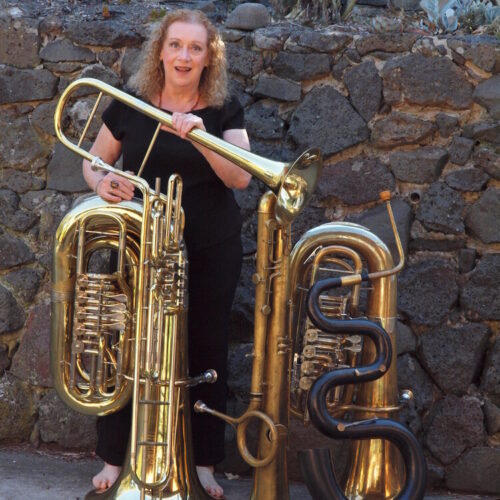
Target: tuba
{"points": [[121, 335], [343, 340]]}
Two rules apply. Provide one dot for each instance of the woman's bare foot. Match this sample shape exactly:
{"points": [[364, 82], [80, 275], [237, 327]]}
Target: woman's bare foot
{"points": [[207, 480], [108, 475]]}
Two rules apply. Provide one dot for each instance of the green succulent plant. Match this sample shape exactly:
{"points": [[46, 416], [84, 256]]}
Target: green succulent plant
{"points": [[449, 15]]}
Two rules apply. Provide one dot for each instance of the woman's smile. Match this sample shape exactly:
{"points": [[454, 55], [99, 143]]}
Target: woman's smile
{"points": [[185, 53]]}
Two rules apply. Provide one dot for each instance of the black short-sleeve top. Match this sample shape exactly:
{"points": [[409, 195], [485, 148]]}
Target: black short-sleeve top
{"points": [[212, 213]]}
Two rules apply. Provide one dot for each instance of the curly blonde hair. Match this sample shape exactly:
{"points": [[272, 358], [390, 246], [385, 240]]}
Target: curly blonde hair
{"points": [[148, 81]]}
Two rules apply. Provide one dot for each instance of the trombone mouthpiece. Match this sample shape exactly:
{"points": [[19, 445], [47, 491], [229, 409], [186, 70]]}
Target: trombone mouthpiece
{"points": [[96, 163]]}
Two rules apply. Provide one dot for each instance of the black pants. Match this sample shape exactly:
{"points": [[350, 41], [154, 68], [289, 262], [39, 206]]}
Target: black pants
{"points": [[213, 275]]}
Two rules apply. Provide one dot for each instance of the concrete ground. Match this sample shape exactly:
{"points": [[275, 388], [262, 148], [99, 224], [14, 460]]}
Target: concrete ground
{"points": [[47, 475]]}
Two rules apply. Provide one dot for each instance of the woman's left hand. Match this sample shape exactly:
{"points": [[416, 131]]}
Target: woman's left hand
{"points": [[185, 122]]}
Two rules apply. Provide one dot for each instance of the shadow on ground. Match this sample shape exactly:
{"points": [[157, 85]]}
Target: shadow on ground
{"points": [[44, 474]]}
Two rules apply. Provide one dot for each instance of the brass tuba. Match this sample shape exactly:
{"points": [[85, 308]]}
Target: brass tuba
{"points": [[122, 334], [344, 337]]}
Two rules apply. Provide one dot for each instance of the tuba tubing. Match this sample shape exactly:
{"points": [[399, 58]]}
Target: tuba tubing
{"points": [[316, 464], [100, 217]]}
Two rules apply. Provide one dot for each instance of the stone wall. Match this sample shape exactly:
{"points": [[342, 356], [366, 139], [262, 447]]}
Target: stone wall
{"points": [[410, 112]]}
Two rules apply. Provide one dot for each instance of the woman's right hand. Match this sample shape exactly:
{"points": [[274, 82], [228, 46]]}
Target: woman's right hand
{"points": [[114, 188]]}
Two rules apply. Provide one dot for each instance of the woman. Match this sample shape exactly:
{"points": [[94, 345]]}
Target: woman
{"points": [[184, 72]]}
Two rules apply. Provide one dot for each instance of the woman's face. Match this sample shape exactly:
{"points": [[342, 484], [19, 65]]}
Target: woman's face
{"points": [[184, 53]]}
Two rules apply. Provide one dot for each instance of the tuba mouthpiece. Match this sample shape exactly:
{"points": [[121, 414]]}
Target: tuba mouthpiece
{"points": [[385, 195]]}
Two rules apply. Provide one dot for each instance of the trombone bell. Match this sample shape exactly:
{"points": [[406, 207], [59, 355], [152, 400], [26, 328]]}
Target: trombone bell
{"points": [[298, 185]]}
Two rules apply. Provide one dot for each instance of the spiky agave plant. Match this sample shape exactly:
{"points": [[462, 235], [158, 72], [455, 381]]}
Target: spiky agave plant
{"points": [[450, 15]]}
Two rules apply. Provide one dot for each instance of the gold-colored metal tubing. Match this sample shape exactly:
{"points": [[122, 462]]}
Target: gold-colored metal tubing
{"points": [[271, 481], [385, 196], [357, 278], [264, 249], [139, 328], [150, 148], [89, 120], [293, 183], [268, 171], [177, 210], [346, 251], [169, 213], [241, 424], [372, 409]]}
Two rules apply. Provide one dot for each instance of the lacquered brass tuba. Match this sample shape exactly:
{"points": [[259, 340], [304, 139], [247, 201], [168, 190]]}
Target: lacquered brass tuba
{"points": [[344, 337], [121, 334]]}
